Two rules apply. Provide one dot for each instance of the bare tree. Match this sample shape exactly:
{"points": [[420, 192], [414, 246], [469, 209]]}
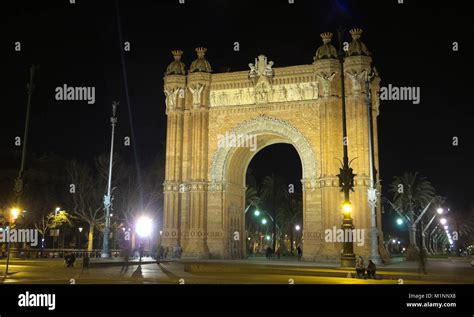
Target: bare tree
{"points": [[86, 197], [140, 193]]}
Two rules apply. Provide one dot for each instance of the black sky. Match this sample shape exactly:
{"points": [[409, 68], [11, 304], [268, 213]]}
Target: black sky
{"points": [[78, 45]]}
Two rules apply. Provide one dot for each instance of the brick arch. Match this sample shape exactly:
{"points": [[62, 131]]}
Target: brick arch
{"points": [[269, 130]]}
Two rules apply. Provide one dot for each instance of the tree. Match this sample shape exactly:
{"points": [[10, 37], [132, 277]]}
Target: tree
{"points": [[463, 226], [51, 221], [274, 193], [87, 198], [412, 195], [288, 216], [140, 193]]}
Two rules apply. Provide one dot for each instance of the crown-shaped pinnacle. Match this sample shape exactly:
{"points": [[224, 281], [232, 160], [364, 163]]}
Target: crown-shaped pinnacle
{"points": [[201, 51], [326, 36], [177, 54], [355, 33]]}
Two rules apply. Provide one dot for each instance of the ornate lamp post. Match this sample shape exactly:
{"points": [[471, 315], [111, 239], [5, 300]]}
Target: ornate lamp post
{"points": [[372, 191], [108, 197], [346, 175]]}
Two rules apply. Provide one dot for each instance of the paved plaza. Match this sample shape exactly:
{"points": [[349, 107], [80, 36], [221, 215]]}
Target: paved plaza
{"points": [[252, 271]]}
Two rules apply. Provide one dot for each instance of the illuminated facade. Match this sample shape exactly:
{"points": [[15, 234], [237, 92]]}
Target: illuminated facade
{"points": [[301, 105]]}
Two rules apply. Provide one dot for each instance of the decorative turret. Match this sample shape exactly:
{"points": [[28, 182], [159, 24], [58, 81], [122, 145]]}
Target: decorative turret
{"points": [[176, 67], [200, 64], [356, 47], [327, 50]]}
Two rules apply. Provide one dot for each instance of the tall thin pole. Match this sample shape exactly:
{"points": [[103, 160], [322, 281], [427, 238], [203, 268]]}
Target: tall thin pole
{"points": [[18, 188], [108, 198], [346, 176], [372, 191], [19, 180]]}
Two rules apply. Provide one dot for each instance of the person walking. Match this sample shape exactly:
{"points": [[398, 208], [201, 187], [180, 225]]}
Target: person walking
{"points": [[85, 261], [161, 253], [141, 251]]}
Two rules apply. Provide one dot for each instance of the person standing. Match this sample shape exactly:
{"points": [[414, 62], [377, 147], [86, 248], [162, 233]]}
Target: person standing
{"points": [[269, 252], [300, 252], [167, 251], [126, 258]]}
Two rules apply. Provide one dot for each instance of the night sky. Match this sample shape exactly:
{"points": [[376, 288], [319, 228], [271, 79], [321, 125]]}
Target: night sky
{"points": [[79, 45]]}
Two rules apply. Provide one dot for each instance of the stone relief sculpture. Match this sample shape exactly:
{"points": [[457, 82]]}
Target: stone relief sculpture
{"points": [[268, 68], [238, 97], [222, 98], [265, 92], [301, 92], [261, 91], [253, 70], [326, 83], [171, 97], [356, 80], [262, 67], [197, 94], [315, 90], [213, 99]]}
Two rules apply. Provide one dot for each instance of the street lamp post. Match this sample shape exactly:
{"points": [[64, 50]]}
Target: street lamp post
{"points": [[14, 212], [439, 211], [346, 175], [108, 198], [372, 191], [79, 238], [297, 228]]}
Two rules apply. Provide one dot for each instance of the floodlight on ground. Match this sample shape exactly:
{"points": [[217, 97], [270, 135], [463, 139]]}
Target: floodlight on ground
{"points": [[143, 227]]}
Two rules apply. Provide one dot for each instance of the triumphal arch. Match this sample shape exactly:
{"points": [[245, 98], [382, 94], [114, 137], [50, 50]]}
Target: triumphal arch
{"points": [[204, 189]]}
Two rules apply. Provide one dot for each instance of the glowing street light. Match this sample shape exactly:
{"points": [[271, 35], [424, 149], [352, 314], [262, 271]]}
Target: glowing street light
{"points": [[440, 210], [256, 213], [268, 238], [80, 229], [445, 227], [399, 221], [443, 221], [346, 207], [264, 221], [143, 227], [297, 228], [14, 213]]}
